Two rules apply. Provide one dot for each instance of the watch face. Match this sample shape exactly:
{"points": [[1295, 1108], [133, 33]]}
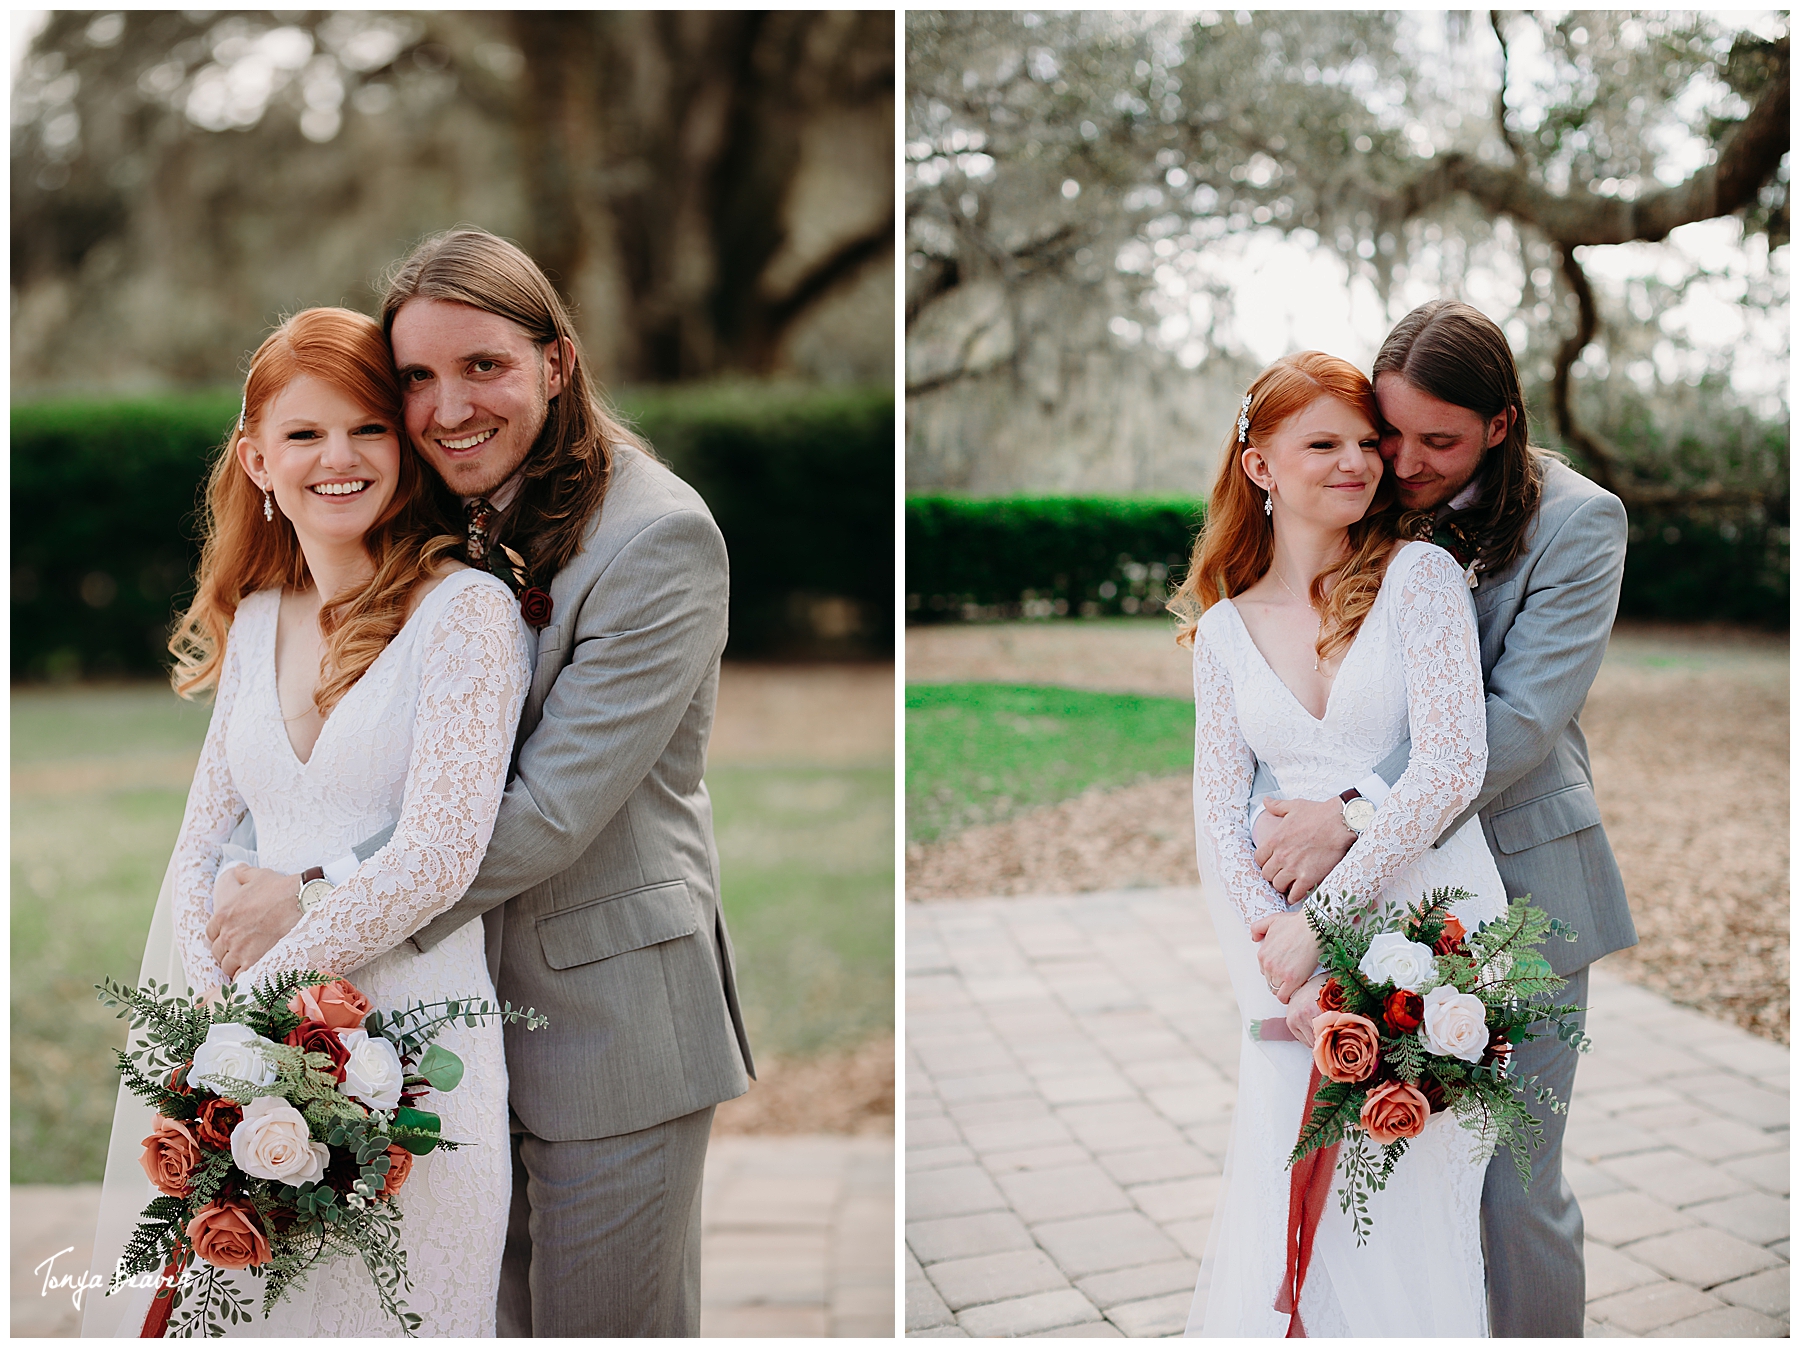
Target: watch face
{"points": [[312, 891], [1359, 814]]}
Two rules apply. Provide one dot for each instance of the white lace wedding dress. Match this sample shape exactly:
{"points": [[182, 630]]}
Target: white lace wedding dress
{"points": [[1413, 668], [425, 738]]}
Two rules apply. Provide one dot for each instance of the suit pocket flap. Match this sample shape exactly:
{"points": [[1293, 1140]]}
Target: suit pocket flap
{"points": [[1545, 819], [616, 924]]}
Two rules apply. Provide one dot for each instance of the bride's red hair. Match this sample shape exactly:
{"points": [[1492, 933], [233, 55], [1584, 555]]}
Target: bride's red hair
{"points": [[1237, 542], [242, 553]]}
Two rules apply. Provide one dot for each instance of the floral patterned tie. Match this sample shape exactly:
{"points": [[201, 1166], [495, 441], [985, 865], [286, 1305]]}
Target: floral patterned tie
{"points": [[481, 518]]}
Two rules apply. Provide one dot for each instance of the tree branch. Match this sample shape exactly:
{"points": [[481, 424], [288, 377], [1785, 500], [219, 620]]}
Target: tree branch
{"points": [[1506, 132], [843, 262], [1600, 455], [1747, 155]]}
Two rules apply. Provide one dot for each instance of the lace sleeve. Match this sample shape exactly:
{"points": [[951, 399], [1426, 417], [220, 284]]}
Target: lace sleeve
{"points": [[472, 688], [213, 809], [1223, 770], [1446, 710]]}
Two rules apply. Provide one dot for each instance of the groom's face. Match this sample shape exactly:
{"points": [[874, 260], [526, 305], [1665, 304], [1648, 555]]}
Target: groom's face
{"points": [[1433, 448], [477, 390]]}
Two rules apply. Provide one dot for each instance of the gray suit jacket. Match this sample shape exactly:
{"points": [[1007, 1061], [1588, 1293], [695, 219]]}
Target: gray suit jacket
{"points": [[1544, 623], [600, 888]]}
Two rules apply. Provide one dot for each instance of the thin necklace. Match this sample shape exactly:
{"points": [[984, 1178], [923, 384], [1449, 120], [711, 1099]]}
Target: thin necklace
{"points": [[1290, 590]]}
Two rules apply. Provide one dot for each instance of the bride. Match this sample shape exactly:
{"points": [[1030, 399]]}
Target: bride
{"points": [[362, 677], [1322, 641]]}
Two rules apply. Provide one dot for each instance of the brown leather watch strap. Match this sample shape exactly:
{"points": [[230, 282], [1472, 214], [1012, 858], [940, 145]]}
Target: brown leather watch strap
{"points": [[312, 873], [1350, 795]]}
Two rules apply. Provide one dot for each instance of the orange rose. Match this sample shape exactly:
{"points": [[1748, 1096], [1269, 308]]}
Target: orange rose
{"points": [[1403, 1010], [336, 1004], [216, 1120], [228, 1235], [1450, 941], [1394, 1110], [170, 1155], [1346, 1047], [1331, 995], [400, 1163]]}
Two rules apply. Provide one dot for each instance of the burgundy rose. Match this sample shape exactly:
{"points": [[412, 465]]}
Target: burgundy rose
{"points": [[535, 606], [1403, 1010], [1433, 1091], [314, 1036]]}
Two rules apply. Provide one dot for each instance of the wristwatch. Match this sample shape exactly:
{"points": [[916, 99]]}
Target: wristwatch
{"points": [[313, 886], [1359, 811]]}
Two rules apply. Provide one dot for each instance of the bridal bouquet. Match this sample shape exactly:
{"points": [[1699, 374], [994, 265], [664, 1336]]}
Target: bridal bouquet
{"points": [[1421, 1017], [286, 1125]]}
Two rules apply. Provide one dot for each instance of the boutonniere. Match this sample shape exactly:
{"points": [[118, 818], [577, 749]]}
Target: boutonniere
{"points": [[535, 605], [1458, 544]]}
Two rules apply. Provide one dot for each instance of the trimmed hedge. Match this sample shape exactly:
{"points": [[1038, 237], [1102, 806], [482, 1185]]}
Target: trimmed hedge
{"points": [[104, 494], [1040, 557], [1043, 556]]}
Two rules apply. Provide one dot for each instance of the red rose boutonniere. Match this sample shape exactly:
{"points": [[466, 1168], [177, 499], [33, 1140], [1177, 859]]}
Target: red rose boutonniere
{"points": [[535, 605]]}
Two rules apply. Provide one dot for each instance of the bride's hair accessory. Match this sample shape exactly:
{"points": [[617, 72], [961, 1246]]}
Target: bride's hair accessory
{"points": [[268, 506], [1268, 503], [243, 406], [1244, 420]]}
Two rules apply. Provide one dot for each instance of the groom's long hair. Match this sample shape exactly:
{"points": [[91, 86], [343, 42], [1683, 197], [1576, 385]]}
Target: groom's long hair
{"points": [[1237, 544], [243, 552], [1459, 355], [567, 469]]}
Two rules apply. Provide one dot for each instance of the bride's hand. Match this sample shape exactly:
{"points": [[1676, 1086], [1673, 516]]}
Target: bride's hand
{"points": [[1302, 1008], [1287, 950]]}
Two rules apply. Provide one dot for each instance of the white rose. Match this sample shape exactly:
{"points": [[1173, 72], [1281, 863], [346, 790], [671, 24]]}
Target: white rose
{"points": [[1392, 958], [373, 1074], [272, 1142], [235, 1051], [1455, 1024]]}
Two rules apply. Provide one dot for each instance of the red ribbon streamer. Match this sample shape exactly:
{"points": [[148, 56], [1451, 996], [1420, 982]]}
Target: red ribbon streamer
{"points": [[156, 1321], [1309, 1183]]}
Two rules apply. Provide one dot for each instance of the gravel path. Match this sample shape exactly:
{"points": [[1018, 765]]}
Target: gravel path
{"points": [[1688, 729]]}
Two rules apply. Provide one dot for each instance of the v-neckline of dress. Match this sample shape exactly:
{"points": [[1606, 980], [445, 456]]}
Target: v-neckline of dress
{"points": [[1344, 664], [287, 737]]}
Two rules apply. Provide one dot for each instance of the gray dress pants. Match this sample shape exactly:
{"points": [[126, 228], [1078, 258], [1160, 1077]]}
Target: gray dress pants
{"points": [[603, 1240], [1536, 1278]]}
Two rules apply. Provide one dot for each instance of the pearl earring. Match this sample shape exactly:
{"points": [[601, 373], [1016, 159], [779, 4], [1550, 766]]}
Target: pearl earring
{"points": [[268, 505]]}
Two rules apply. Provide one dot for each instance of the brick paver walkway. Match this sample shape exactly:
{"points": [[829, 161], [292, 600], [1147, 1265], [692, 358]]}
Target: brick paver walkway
{"points": [[797, 1241], [1070, 1075]]}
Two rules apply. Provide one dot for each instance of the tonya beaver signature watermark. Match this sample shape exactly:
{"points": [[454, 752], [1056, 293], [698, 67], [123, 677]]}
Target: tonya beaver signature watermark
{"points": [[86, 1280]]}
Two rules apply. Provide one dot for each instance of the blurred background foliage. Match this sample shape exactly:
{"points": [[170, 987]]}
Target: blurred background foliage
{"points": [[1114, 220], [713, 192]]}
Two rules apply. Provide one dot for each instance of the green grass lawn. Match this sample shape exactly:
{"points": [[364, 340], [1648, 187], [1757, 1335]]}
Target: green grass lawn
{"points": [[980, 752], [806, 855]]}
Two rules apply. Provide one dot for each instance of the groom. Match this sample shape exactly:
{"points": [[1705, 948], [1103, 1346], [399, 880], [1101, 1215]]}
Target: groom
{"points": [[1549, 551], [600, 886]]}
